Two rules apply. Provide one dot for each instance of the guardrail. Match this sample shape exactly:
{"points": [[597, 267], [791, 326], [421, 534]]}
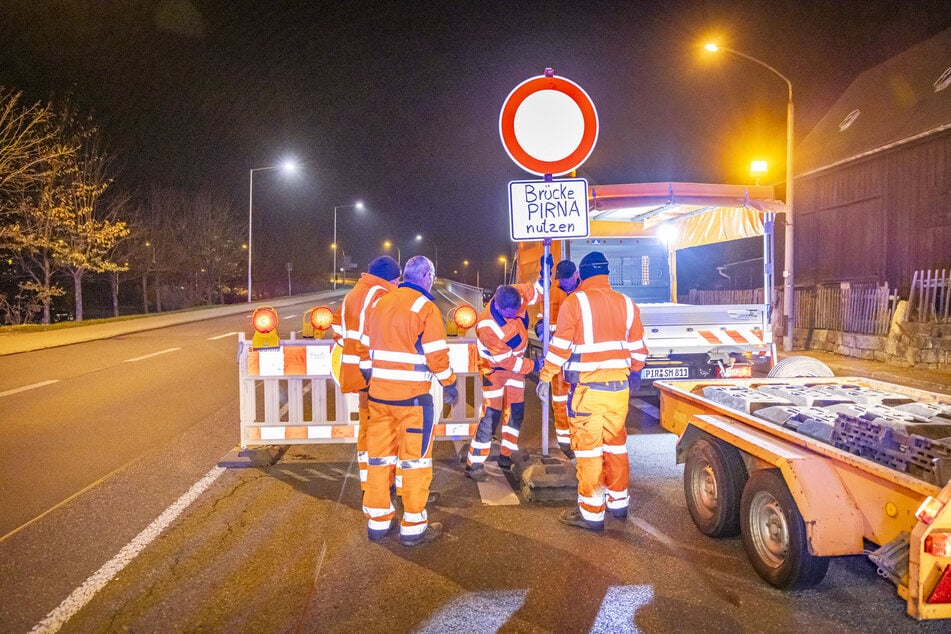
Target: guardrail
{"points": [[288, 396]]}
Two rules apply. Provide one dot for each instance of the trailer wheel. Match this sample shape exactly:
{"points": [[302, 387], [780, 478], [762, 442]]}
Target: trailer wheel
{"points": [[799, 366], [774, 535], [714, 475]]}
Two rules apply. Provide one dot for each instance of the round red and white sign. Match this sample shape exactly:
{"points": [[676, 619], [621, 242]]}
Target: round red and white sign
{"points": [[548, 125]]}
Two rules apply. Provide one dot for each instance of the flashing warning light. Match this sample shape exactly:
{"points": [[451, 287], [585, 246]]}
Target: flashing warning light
{"points": [[321, 318], [465, 317], [938, 544], [264, 322], [929, 510]]}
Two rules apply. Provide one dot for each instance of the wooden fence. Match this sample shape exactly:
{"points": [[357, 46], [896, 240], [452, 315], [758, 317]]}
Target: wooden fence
{"points": [[930, 297]]}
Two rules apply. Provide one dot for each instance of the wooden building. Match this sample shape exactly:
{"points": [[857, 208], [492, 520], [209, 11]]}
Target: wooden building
{"points": [[873, 178]]}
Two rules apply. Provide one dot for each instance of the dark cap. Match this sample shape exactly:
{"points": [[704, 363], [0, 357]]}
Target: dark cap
{"points": [[565, 269], [593, 264], [384, 267]]}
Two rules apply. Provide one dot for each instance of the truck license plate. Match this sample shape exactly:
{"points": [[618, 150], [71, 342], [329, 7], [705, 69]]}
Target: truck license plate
{"points": [[654, 374]]}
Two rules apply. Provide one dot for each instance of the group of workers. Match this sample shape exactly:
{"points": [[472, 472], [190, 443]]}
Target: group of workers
{"points": [[394, 345]]}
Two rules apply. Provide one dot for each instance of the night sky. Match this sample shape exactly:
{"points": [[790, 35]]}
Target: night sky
{"points": [[397, 104]]}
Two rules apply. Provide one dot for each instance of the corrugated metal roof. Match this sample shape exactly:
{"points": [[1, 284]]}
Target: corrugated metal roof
{"points": [[905, 98]]}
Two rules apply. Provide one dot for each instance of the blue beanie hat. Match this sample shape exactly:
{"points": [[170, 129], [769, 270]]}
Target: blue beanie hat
{"points": [[384, 267], [593, 264], [565, 268]]}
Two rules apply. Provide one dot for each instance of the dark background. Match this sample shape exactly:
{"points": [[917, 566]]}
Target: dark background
{"points": [[397, 104]]}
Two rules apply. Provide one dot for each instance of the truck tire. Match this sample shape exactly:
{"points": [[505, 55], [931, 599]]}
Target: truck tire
{"points": [[791, 367], [714, 476], [774, 535]]}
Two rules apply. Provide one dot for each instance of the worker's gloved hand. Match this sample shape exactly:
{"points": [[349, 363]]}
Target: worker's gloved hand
{"points": [[634, 381], [545, 265], [539, 363], [366, 374], [542, 391], [450, 394], [539, 328]]}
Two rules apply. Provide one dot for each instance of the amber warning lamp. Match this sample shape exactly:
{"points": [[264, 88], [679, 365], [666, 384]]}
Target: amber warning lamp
{"points": [[264, 322], [321, 318], [461, 319]]}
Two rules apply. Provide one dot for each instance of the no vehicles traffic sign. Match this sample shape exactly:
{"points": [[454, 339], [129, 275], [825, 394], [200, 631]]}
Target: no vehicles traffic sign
{"points": [[548, 125]]}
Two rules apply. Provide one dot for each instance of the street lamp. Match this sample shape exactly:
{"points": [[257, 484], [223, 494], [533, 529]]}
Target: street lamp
{"points": [[419, 238], [788, 284], [356, 205], [505, 264], [387, 245], [287, 166]]}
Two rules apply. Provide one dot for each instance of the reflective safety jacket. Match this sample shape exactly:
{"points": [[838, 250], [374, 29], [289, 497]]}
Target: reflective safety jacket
{"points": [[600, 337], [352, 325], [501, 342], [405, 345], [557, 297]]}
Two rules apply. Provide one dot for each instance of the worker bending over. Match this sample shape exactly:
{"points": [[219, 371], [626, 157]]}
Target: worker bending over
{"points": [[599, 342]]}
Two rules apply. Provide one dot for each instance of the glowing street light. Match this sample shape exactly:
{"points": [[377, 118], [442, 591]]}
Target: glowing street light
{"points": [[287, 167], [419, 238], [387, 245], [356, 205], [788, 284], [505, 264]]}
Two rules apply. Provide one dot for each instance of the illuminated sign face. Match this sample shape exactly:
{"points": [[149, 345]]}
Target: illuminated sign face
{"points": [[548, 209]]}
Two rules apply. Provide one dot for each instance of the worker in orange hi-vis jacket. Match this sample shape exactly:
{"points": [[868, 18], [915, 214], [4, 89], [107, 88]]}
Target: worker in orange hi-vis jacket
{"points": [[405, 345], [599, 343], [381, 277], [502, 336], [565, 282]]}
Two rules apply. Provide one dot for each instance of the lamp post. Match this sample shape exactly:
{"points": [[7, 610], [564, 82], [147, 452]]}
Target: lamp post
{"points": [[419, 238], [788, 284], [287, 166], [356, 205], [505, 264], [387, 245]]}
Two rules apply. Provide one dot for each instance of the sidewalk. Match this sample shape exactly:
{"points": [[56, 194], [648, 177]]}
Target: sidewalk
{"points": [[931, 380]]}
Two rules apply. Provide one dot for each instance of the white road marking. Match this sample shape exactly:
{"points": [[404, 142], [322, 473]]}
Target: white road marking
{"points": [[288, 316], [227, 334], [149, 356], [647, 408], [28, 387], [495, 491], [98, 580]]}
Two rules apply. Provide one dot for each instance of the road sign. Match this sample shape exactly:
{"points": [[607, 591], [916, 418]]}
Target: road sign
{"points": [[548, 209], [548, 125]]}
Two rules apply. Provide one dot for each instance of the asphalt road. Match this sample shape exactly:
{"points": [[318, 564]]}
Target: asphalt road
{"points": [[117, 522]]}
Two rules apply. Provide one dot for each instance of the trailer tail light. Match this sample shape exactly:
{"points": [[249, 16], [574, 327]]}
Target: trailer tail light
{"points": [[321, 318], [929, 510], [938, 544], [942, 591], [264, 322], [736, 372]]}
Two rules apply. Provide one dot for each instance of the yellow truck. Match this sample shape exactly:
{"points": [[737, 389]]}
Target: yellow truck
{"points": [[808, 468]]}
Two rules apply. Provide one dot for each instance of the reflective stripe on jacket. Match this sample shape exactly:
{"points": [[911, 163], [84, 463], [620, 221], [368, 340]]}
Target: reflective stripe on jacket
{"points": [[501, 342], [405, 342], [353, 313], [558, 295], [600, 337]]}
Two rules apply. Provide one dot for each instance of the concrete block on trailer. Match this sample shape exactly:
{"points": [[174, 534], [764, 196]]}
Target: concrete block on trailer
{"points": [[934, 412], [867, 396], [805, 395], [903, 421], [794, 417], [742, 398]]}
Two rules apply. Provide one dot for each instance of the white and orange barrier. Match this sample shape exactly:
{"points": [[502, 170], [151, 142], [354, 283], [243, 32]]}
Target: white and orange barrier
{"points": [[288, 395]]}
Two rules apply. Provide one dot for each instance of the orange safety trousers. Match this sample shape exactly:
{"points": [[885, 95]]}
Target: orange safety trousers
{"points": [[362, 445], [501, 390], [559, 405], [399, 434], [599, 440]]}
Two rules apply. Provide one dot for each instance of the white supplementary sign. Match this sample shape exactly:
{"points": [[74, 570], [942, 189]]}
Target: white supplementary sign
{"points": [[548, 209]]}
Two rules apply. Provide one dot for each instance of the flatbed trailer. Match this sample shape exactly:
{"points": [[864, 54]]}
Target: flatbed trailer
{"points": [[803, 481]]}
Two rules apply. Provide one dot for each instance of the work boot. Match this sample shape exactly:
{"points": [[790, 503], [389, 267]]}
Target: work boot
{"points": [[567, 450], [619, 514], [378, 536], [477, 473], [572, 517], [505, 462], [433, 531]]}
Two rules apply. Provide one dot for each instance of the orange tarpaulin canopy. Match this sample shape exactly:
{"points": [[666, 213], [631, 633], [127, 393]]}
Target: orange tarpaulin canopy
{"points": [[688, 214]]}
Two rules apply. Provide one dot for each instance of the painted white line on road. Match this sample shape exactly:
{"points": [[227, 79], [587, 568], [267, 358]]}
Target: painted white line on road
{"points": [[17, 390], [149, 356], [647, 408], [227, 334], [98, 580], [288, 316], [496, 491]]}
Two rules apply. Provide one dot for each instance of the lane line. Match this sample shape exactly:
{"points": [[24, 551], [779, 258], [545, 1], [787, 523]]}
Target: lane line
{"points": [[98, 580], [149, 356], [227, 334], [17, 390]]}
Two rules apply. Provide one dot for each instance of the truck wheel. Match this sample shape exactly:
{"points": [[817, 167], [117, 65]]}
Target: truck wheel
{"points": [[714, 475], [774, 535], [791, 367]]}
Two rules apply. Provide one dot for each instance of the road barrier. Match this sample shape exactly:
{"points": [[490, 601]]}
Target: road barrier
{"points": [[288, 395]]}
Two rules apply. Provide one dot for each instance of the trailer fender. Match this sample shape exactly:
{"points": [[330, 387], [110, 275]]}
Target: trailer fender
{"points": [[834, 524]]}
